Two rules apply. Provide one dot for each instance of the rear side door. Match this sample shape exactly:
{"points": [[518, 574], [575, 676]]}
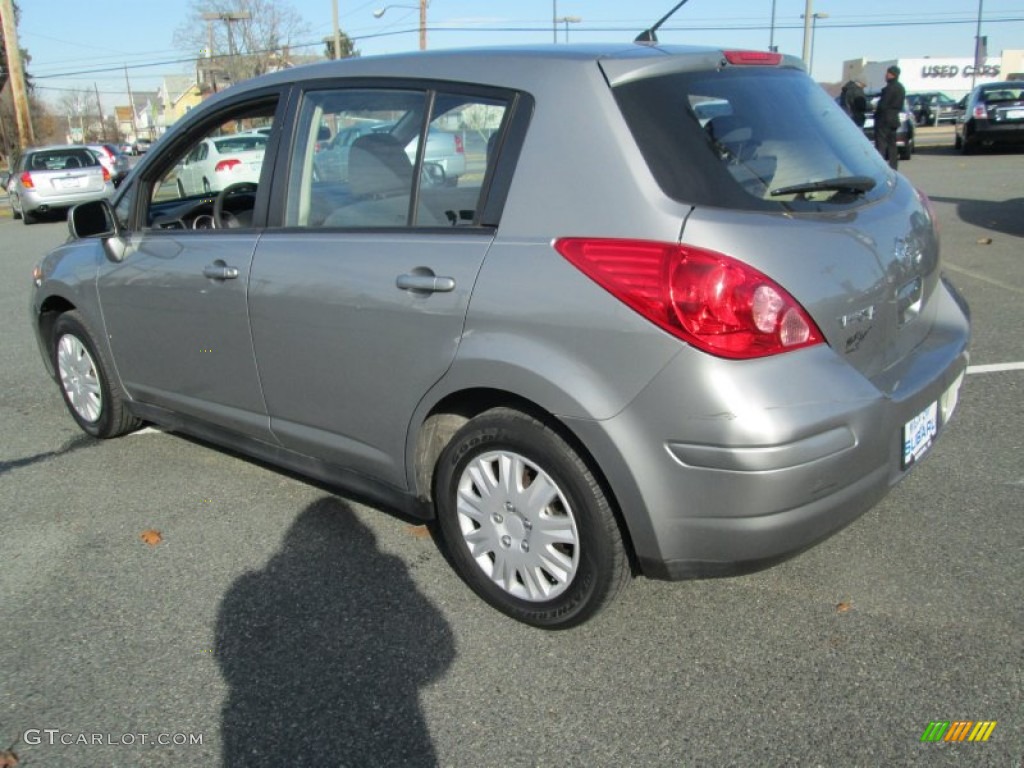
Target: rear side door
{"points": [[358, 298]]}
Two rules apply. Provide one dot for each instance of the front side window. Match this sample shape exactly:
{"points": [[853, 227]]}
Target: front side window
{"points": [[750, 138], [211, 181], [359, 160]]}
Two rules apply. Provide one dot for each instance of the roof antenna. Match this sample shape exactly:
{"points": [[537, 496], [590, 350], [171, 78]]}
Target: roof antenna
{"points": [[649, 35]]}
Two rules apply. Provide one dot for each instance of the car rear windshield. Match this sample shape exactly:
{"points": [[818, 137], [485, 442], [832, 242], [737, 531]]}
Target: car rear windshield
{"points": [[61, 159], [740, 136], [1003, 93]]}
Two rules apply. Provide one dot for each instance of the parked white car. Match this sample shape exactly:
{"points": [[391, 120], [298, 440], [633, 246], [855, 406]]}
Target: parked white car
{"points": [[221, 161]]}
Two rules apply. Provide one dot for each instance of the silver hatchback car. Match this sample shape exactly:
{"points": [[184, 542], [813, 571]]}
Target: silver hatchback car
{"points": [[55, 178], [637, 336]]}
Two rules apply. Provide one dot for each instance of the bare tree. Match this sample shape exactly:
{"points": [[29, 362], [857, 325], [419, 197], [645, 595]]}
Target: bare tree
{"points": [[249, 38]]}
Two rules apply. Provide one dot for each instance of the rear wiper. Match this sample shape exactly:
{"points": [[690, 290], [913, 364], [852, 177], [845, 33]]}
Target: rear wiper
{"points": [[857, 184]]}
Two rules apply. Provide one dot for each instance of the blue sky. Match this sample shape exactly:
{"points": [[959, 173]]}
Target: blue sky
{"points": [[68, 39]]}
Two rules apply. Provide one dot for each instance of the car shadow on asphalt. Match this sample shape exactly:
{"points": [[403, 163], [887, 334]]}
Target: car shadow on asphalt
{"points": [[70, 446], [325, 651], [1003, 216]]}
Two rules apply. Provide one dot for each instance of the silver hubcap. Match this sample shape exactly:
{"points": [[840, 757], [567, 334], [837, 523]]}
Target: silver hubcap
{"points": [[518, 526], [78, 377]]}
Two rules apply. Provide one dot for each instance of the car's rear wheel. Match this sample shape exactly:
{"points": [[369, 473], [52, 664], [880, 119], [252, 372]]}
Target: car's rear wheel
{"points": [[526, 523], [28, 218], [15, 212], [907, 150], [93, 397]]}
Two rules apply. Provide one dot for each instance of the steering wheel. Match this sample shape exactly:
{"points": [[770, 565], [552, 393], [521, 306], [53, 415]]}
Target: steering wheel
{"points": [[238, 188]]}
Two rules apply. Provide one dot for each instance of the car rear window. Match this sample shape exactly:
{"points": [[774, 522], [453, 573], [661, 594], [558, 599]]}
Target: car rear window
{"points": [[733, 137], [1003, 93], [61, 159]]}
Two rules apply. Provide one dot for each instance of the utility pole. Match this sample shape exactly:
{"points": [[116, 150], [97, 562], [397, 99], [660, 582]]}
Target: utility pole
{"points": [[131, 104], [337, 30], [99, 110], [423, 25], [228, 18], [17, 75], [808, 21]]}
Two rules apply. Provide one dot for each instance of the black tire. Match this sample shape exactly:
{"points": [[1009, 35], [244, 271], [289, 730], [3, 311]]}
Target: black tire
{"points": [[28, 218], [907, 151], [14, 211], [92, 395], [956, 141], [570, 576]]}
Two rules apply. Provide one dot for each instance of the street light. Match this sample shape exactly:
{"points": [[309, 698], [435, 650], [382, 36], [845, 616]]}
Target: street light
{"points": [[567, 20], [423, 18], [814, 24]]}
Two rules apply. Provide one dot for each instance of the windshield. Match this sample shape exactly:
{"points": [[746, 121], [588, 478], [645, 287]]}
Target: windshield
{"points": [[735, 137], [240, 143]]}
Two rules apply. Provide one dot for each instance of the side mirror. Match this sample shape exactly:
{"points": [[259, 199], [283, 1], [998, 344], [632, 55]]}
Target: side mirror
{"points": [[433, 175], [92, 219]]}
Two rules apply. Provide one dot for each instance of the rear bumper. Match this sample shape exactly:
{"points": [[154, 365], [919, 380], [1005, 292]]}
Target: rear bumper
{"points": [[778, 455], [991, 133], [34, 202]]}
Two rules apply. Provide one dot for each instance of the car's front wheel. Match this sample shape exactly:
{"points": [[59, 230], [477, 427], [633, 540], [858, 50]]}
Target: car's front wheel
{"points": [[526, 523], [93, 397]]}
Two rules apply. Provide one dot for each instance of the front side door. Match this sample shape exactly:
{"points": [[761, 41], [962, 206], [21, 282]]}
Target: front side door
{"points": [[175, 306], [358, 300]]}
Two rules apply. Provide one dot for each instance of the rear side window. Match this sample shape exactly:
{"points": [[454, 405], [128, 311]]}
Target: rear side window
{"points": [[360, 160], [735, 137]]}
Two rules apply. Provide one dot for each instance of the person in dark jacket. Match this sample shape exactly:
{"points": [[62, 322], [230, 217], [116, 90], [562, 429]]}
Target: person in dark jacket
{"points": [[854, 102], [887, 116]]}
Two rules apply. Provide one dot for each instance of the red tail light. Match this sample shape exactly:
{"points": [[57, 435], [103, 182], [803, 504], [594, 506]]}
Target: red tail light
{"points": [[763, 58], [980, 111], [106, 174], [26, 180], [459, 150], [227, 165], [714, 302]]}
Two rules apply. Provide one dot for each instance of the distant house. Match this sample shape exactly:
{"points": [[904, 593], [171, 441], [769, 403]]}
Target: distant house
{"points": [[178, 95]]}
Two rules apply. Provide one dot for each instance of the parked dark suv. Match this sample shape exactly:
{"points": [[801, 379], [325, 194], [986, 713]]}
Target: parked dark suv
{"points": [[932, 107], [677, 317]]}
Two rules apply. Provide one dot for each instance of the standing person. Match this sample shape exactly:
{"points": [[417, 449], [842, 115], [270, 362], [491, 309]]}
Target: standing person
{"points": [[887, 116], [854, 102]]}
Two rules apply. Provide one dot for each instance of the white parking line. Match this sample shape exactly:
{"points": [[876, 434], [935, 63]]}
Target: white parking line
{"points": [[995, 368]]}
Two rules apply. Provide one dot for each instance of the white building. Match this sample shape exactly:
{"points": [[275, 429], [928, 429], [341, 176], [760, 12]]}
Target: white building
{"points": [[953, 76]]}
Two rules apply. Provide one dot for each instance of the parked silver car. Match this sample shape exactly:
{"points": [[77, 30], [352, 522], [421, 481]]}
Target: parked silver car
{"points": [[54, 178], [638, 336]]}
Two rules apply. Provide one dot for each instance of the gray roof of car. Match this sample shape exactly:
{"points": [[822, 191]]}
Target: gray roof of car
{"points": [[499, 63]]}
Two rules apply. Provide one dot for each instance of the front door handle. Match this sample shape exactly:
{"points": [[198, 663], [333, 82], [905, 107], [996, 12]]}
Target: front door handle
{"points": [[427, 283], [220, 271]]}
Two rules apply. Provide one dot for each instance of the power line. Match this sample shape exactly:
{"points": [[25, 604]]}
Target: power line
{"points": [[192, 60]]}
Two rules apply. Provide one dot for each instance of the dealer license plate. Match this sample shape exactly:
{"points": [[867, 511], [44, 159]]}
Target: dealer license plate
{"points": [[919, 433], [72, 183]]}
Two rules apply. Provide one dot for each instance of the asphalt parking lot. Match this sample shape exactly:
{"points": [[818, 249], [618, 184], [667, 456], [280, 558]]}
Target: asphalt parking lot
{"points": [[274, 622]]}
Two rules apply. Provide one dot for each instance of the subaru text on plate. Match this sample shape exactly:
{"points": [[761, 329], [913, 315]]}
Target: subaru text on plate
{"points": [[637, 336]]}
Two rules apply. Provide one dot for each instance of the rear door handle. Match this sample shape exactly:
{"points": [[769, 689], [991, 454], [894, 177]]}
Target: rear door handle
{"points": [[220, 271], [425, 283]]}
